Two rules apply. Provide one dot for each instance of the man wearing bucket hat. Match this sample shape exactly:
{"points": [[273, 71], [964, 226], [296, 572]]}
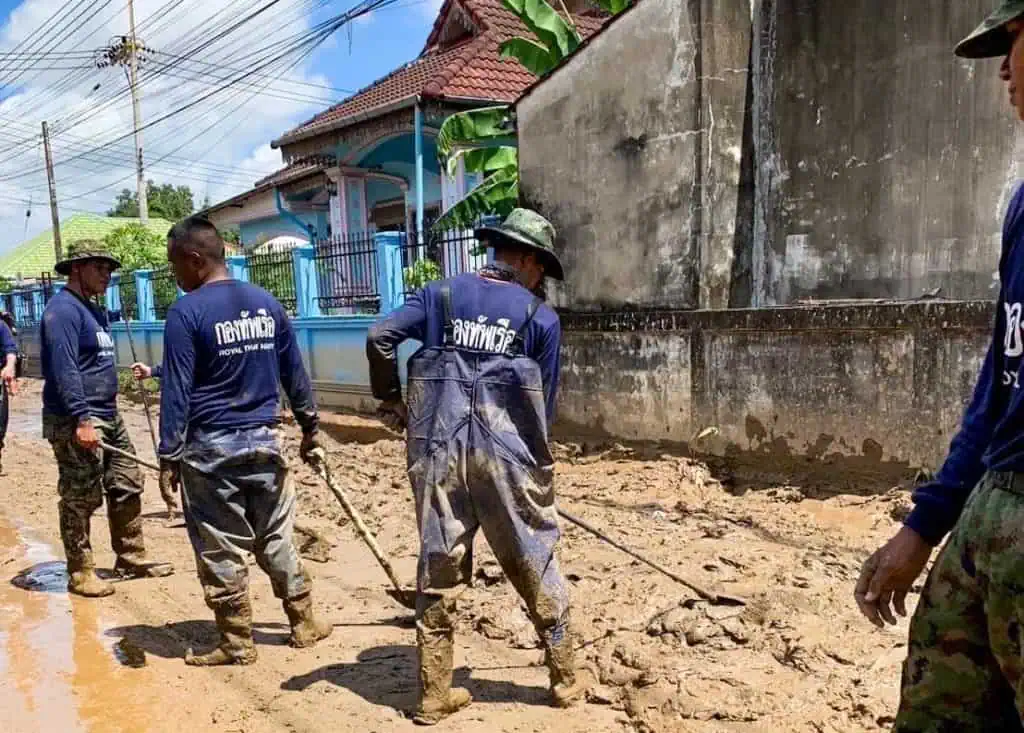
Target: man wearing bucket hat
{"points": [[79, 411], [964, 670], [481, 397]]}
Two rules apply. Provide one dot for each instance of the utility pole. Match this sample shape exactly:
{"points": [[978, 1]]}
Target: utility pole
{"points": [[133, 82], [58, 251]]}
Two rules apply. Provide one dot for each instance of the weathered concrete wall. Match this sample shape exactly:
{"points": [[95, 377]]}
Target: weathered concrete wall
{"points": [[633, 149], [848, 395], [884, 163]]}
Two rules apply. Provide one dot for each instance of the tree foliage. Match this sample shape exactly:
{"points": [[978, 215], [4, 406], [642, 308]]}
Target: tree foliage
{"points": [[166, 201], [484, 138], [137, 247]]}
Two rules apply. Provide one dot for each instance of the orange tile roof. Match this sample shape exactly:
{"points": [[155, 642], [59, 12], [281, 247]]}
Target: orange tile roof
{"points": [[469, 69]]}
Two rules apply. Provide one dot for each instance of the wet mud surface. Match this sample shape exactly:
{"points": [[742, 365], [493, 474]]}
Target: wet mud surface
{"points": [[796, 658]]}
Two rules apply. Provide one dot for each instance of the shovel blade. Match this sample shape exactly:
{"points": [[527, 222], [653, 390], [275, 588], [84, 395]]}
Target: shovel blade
{"points": [[405, 597]]}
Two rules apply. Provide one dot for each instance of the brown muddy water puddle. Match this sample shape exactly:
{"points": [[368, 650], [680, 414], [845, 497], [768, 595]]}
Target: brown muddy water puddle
{"points": [[58, 672]]}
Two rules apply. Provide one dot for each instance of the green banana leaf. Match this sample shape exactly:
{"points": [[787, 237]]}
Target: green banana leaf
{"points": [[473, 128], [487, 160], [614, 7], [497, 194], [551, 29], [537, 59]]}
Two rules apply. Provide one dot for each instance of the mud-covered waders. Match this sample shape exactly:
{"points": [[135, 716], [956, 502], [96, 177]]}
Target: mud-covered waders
{"points": [[479, 459]]}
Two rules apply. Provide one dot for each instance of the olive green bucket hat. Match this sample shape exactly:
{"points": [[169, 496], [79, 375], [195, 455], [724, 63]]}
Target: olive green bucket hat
{"points": [[991, 37], [531, 229], [84, 250]]}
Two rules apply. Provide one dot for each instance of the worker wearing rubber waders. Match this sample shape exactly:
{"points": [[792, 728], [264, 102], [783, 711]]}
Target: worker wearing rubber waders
{"points": [[228, 347], [79, 411], [481, 395], [964, 670]]}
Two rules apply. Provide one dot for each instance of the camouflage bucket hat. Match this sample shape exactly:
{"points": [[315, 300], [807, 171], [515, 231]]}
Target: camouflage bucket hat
{"points": [[991, 37], [84, 250], [531, 229]]}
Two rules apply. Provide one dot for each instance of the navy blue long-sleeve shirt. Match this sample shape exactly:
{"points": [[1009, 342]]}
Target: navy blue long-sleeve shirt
{"points": [[484, 311], [991, 435], [77, 354], [227, 348], [7, 343]]}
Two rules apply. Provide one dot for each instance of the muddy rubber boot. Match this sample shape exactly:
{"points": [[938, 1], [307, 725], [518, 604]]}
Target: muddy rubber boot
{"points": [[307, 629], [234, 621], [83, 581], [437, 698], [126, 538], [568, 684]]}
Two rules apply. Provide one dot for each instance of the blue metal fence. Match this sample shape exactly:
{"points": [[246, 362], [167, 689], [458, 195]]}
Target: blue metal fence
{"points": [[366, 274]]}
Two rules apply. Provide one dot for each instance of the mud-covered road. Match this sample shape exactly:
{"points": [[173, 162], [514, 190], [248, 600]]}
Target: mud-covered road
{"points": [[797, 658]]}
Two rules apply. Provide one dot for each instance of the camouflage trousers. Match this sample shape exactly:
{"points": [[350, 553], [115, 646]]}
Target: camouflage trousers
{"points": [[238, 498], [965, 668], [84, 478]]}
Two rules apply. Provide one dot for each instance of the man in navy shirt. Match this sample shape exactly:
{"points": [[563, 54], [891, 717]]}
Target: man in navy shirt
{"points": [[481, 397], [964, 669], [80, 410], [228, 346], [8, 377]]}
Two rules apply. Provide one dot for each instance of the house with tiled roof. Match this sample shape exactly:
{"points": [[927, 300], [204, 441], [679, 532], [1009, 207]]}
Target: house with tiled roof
{"points": [[30, 259], [369, 163]]}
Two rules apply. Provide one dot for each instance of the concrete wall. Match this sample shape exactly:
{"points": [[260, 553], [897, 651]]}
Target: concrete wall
{"points": [[633, 149], [640, 177], [855, 396], [858, 158], [884, 163]]}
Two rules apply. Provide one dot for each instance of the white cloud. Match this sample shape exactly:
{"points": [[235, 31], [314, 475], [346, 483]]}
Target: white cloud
{"points": [[219, 162]]}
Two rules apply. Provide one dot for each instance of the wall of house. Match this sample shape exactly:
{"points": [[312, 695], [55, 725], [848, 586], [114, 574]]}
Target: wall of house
{"points": [[641, 179]]}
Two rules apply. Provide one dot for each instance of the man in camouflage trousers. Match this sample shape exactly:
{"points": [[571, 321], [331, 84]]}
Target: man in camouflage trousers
{"points": [[79, 411], [964, 671]]}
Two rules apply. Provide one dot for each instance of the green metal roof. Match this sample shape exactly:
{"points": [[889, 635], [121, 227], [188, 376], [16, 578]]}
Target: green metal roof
{"points": [[32, 258]]}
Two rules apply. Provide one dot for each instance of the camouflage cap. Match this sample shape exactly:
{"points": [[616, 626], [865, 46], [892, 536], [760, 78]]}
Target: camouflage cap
{"points": [[527, 227], [83, 250], [991, 37]]}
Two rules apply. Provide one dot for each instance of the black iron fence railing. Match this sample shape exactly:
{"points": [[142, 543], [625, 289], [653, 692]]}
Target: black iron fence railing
{"points": [[165, 291], [347, 274], [274, 271]]}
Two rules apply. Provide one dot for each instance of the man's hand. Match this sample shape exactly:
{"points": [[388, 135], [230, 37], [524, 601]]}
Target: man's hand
{"points": [[888, 575], [394, 414], [141, 371], [310, 449], [170, 483], [9, 377], [86, 435]]}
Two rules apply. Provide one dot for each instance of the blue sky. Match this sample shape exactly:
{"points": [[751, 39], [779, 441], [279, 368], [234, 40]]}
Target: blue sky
{"points": [[231, 140]]}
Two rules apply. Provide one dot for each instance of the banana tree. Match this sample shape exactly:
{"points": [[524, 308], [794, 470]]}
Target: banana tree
{"points": [[484, 138]]}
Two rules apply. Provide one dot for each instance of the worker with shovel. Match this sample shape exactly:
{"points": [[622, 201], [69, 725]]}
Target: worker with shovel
{"points": [[80, 410], [228, 347], [964, 670], [480, 399]]}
